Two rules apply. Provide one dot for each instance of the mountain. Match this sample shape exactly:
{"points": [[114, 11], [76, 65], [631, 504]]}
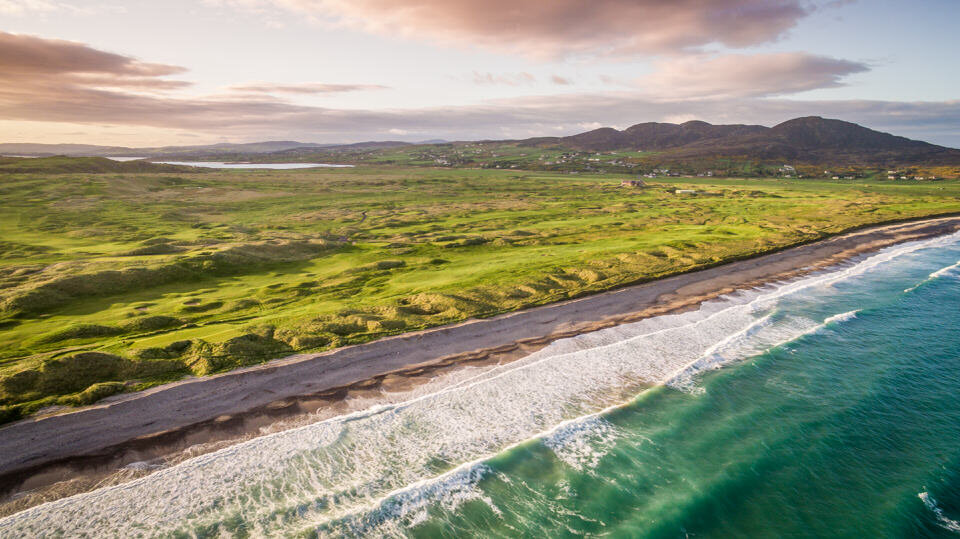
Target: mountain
{"points": [[89, 150], [811, 139], [91, 165], [31, 149], [222, 151], [370, 145]]}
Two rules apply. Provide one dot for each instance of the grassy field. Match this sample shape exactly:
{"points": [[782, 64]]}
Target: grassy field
{"points": [[547, 157], [118, 281]]}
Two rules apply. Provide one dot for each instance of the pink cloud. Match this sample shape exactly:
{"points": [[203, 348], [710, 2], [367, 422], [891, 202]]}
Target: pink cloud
{"points": [[507, 79], [72, 83], [305, 88], [740, 75], [549, 28], [32, 56]]}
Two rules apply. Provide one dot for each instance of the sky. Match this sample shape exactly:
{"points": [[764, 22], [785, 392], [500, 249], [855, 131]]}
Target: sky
{"points": [[148, 73]]}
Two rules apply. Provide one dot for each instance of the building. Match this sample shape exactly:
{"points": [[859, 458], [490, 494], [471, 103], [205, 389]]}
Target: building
{"points": [[787, 169]]}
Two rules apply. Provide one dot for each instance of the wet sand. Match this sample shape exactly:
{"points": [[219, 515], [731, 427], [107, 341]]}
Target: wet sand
{"points": [[229, 407]]}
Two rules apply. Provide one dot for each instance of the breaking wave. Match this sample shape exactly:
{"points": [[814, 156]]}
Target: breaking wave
{"points": [[942, 520], [375, 471], [934, 276]]}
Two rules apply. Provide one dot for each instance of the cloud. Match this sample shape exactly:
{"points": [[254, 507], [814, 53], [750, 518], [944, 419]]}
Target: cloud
{"points": [[21, 8], [305, 88], [551, 28], [739, 75], [68, 83], [515, 79], [24, 7], [508, 79], [29, 57]]}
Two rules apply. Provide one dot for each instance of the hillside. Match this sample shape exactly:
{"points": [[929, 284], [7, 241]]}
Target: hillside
{"points": [[88, 150], [811, 139], [113, 282], [91, 165]]}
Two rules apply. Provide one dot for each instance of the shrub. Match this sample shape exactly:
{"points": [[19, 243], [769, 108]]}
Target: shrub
{"points": [[92, 394], [152, 323], [82, 331], [75, 373], [202, 307], [172, 350], [155, 249], [247, 349], [238, 260], [10, 413], [390, 264]]}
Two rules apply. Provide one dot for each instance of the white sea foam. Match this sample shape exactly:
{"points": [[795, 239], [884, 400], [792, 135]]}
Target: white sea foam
{"points": [[842, 317], [931, 503], [385, 464], [935, 275], [582, 444], [409, 507]]}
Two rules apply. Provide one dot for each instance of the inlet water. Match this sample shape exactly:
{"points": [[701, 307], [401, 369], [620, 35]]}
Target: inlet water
{"points": [[827, 406], [265, 166]]}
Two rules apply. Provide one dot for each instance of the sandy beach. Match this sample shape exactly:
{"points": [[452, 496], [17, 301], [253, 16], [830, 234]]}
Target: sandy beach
{"points": [[271, 390]]}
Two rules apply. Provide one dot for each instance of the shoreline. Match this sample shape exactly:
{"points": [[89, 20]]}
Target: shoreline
{"points": [[174, 413]]}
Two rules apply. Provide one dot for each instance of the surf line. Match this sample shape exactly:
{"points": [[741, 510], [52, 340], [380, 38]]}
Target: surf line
{"points": [[781, 291], [474, 469]]}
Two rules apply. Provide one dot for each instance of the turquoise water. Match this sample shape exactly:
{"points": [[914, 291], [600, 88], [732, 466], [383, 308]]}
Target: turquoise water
{"points": [[274, 166], [828, 406], [851, 431]]}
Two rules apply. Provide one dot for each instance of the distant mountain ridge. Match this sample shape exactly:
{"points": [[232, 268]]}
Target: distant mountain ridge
{"points": [[90, 150], [810, 139], [91, 165]]}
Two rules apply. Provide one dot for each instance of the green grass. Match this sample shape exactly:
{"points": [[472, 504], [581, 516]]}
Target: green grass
{"points": [[92, 165], [113, 282]]}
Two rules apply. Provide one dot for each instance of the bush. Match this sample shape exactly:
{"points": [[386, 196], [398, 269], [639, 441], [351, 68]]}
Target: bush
{"points": [[82, 331], [77, 372], [390, 264], [248, 349], [156, 249], [236, 260], [18, 383], [244, 304], [10, 413], [171, 351], [306, 342], [202, 307], [92, 394], [152, 323]]}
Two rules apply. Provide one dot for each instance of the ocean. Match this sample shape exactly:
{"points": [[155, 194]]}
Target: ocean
{"points": [[827, 406]]}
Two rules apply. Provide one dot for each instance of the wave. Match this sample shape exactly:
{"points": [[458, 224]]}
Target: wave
{"points": [[942, 519], [582, 444], [383, 465], [934, 276], [842, 317]]}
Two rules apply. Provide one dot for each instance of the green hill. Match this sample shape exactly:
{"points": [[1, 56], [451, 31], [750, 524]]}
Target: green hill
{"points": [[90, 165]]}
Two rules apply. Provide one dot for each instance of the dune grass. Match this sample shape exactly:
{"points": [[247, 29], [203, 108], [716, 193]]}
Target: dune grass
{"points": [[115, 282]]}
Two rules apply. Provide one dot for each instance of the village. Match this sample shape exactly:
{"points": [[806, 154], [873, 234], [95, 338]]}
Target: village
{"points": [[507, 155]]}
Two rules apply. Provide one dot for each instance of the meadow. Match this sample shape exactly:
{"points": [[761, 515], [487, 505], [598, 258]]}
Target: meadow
{"points": [[115, 282]]}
